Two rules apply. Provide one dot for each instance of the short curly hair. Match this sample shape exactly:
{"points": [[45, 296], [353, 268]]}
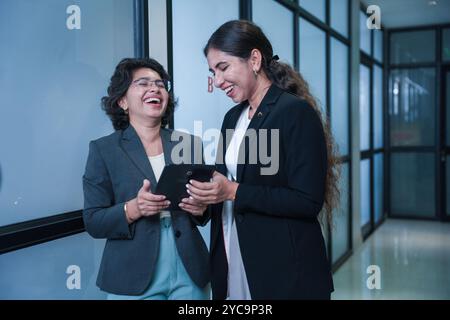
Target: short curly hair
{"points": [[119, 84]]}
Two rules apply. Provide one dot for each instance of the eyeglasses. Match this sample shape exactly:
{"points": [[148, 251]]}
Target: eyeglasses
{"points": [[145, 83]]}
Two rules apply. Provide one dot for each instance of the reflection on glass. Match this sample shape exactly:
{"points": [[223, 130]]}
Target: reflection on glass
{"points": [[312, 59], [365, 191], [412, 105], [447, 186], [341, 226], [339, 16], [377, 107], [378, 186], [339, 95], [280, 33], [447, 98], [190, 34], [46, 259], [189, 37], [378, 44], [364, 33], [50, 121], [446, 45], [413, 47], [364, 107], [315, 7], [412, 181]]}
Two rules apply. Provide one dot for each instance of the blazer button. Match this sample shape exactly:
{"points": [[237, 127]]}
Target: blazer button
{"points": [[240, 217], [178, 233]]}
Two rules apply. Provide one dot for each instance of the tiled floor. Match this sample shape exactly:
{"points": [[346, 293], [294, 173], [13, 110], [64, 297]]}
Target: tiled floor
{"points": [[413, 259]]}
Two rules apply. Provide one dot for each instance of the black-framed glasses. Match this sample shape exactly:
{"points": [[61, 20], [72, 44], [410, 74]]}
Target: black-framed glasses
{"points": [[146, 83]]}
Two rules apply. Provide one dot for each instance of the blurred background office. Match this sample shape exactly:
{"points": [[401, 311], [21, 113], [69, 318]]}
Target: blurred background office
{"points": [[379, 68]]}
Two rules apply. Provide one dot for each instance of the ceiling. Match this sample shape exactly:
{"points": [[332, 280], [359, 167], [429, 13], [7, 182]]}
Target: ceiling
{"points": [[411, 13]]}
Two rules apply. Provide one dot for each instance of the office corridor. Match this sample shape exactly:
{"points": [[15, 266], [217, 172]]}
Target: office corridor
{"points": [[378, 70], [414, 261]]}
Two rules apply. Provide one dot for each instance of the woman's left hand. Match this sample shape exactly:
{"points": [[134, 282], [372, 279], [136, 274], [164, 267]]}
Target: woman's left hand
{"points": [[216, 191]]}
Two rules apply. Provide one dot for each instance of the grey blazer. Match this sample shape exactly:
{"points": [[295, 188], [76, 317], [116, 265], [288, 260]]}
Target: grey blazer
{"points": [[116, 167]]}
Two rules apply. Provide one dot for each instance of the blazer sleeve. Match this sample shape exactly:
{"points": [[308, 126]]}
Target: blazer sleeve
{"points": [[303, 142], [103, 218]]}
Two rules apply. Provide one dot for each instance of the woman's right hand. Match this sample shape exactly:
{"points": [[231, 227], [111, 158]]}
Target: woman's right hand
{"points": [[145, 204]]}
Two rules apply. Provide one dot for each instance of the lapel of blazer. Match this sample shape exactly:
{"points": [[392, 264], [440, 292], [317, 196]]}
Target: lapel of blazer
{"points": [[168, 145], [134, 149], [225, 139], [257, 121], [228, 123]]}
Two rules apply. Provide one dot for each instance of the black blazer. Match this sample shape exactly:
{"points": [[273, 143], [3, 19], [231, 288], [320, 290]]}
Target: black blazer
{"points": [[280, 238], [116, 166]]}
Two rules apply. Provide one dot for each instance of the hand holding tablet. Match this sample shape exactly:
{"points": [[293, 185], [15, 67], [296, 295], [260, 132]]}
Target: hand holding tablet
{"points": [[174, 178]]}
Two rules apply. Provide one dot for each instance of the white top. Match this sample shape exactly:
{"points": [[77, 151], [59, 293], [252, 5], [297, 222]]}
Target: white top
{"points": [[158, 163], [231, 156], [237, 279]]}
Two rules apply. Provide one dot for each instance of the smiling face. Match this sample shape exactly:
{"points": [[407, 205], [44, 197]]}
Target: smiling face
{"points": [[145, 100], [232, 74]]}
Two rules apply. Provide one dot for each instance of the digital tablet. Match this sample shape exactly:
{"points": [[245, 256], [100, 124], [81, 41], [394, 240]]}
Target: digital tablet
{"points": [[174, 178]]}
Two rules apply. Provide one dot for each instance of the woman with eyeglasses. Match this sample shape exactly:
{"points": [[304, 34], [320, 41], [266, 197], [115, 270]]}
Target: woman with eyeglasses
{"points": [[266, 239], [150, 253]]}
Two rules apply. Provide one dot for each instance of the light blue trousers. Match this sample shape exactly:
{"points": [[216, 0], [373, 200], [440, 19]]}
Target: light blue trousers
{"points": [[171, 280]]}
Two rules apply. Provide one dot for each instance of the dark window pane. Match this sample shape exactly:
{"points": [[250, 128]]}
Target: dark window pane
{"points": [[364, 33], [365, 191], [413, 184], [412, 107], [339, 16], [447, 186], [341, 226], [313, 59], [364, 107], [447, 97], [377, 107], [315, 7], [413, 47], [339, 95], [378, 186], [446, 45], [378, 44], [279, 34]]}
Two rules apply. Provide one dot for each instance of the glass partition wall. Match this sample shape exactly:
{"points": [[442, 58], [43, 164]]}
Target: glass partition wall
{"points": [[371, 111], [418, 127]]}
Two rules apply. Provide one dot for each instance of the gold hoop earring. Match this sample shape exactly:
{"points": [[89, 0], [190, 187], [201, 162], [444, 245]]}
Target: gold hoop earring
{"points": [[125, 110], [255, 73]]}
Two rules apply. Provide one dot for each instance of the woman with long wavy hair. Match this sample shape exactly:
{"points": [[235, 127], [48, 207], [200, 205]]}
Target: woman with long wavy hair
{"points": [[266, 239]]}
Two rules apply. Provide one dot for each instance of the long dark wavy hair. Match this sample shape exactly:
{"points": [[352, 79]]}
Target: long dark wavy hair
{"points": [[119, 84], [238, 38]]}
